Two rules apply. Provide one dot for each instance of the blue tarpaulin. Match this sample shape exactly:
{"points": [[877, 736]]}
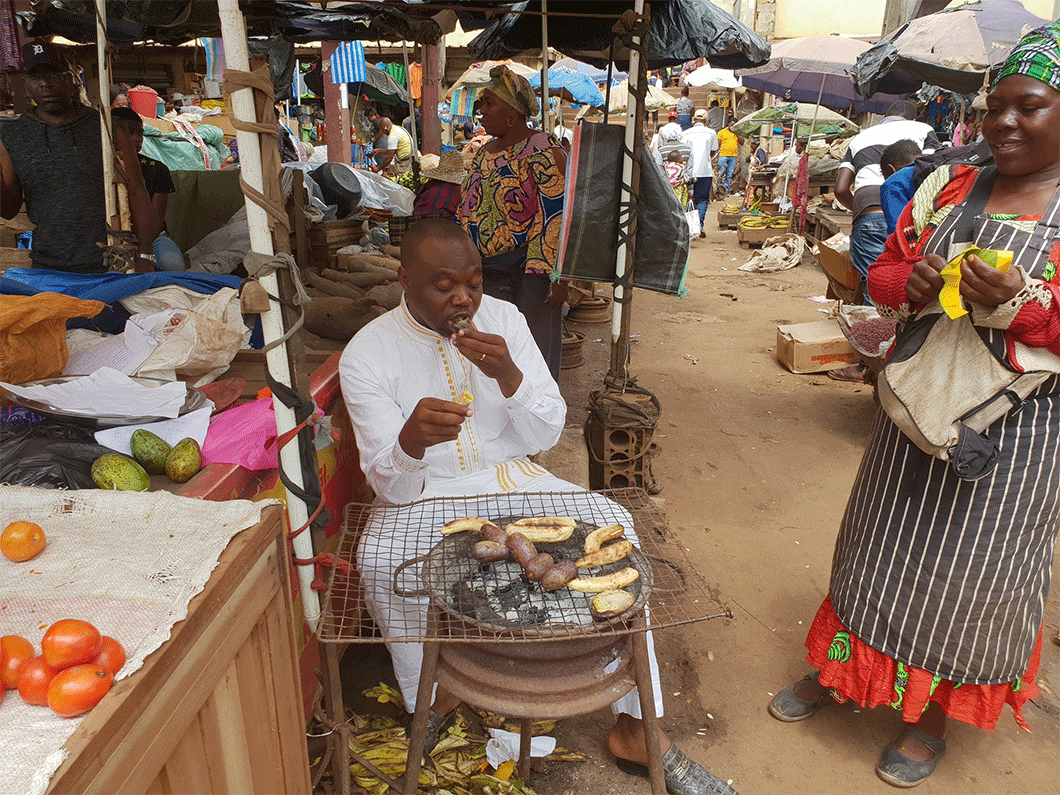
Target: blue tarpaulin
{"points": [[110, 288], [572, 86]]}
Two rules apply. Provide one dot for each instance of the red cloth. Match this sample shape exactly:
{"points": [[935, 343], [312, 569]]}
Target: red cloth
{"points": [[1034, 324], [868, 677]]}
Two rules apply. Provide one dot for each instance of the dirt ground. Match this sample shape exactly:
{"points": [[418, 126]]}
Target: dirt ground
{"points": [[756, 465]]}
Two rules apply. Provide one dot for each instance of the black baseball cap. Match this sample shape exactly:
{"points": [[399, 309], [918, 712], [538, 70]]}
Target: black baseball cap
{"points": [[42, 56]]}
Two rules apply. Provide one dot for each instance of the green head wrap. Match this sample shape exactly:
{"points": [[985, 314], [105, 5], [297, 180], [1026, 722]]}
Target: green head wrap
{"points": [[1037, 55]]}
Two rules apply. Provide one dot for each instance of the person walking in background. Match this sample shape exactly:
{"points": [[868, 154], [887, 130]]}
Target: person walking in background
{"points": [[669, 138], [939, 584], [728, 151], [675, 173], [699, 170], [512, 206], [685, 108]]}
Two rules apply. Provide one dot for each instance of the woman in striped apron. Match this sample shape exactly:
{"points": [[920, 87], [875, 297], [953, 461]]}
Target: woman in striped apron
{"points": [[938, 584]]}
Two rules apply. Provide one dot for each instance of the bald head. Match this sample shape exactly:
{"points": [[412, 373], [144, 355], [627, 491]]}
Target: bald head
{"points": [[430, 241]]}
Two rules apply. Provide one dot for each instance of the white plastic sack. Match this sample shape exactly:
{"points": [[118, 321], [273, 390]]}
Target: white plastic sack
{"points": [[202, 342], [694, 226], [223, 250], [777, 254]]}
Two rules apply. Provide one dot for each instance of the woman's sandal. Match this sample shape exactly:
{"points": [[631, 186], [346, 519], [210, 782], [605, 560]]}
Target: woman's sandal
{"points": [[901, 771], [854, 374], [788, 707]]}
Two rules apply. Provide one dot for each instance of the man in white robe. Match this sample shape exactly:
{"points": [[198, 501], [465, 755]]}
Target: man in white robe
{"points": [[400, 377]]}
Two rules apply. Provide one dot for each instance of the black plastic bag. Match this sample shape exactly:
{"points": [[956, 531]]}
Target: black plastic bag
{"points": [[50, 455]]}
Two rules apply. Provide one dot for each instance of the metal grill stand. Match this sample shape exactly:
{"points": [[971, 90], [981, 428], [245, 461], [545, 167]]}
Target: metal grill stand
{"points": [[446, 665], [525, 670]]}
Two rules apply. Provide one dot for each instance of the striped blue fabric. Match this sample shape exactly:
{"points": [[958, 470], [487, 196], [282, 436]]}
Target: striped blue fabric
{"points": [[347, 63]]}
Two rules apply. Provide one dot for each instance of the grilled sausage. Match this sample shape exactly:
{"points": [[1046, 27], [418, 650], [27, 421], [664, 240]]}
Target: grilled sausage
{"points": [[559, 575], [522, 548], [490, 551], [538, 567]]}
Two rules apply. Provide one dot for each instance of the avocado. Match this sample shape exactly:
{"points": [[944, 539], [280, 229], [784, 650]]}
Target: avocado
{"points": [[114, 471], [150, 450], [184, 460]]}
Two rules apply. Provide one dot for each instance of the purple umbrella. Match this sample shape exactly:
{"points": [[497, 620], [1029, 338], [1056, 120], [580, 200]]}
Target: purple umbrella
{"points": [[815, 69]]}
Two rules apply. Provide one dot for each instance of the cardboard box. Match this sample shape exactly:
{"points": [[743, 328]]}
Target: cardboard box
{"points": [[844, 280], [814, 347]]}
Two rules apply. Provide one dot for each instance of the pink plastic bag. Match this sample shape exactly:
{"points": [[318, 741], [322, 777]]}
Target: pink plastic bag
{"points": [[244, 435]]}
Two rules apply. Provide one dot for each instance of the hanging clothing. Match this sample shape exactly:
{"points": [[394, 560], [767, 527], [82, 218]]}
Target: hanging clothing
{"points": [[415, 81], [938, 573]]}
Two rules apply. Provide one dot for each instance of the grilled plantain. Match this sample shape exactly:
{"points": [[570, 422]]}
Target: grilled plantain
{"points": [[468, 524], [612, 553], [609, 582], [600, 535], [544, 529]]}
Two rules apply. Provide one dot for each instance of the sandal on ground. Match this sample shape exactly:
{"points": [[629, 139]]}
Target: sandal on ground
{"points": [[683, 776], [901, 771], [855, 373], [788, 707], [435, 724]]}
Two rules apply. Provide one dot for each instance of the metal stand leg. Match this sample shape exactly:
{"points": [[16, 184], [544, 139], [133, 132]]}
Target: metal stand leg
{"points": [[647, 710], [526, 727], [340, 759], [425, 689]]}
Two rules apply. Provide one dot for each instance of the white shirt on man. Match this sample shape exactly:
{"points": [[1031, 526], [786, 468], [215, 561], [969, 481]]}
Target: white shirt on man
{"points": [[703, 142]]}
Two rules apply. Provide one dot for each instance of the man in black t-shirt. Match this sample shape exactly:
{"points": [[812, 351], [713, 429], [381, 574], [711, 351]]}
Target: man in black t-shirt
{"points": [[168, 256]]}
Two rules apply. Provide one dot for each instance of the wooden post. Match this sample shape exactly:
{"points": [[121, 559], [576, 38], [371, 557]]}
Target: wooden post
{"points": [[432, 79], [336, 110]]}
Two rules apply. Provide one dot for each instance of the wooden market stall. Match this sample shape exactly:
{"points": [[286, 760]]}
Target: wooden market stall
{"points": [[212, 709]]}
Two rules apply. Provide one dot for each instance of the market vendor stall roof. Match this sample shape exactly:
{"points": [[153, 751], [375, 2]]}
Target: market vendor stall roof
{"points": [[681, 30]]}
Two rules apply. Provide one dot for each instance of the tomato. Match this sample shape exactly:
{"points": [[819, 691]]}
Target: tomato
{"points": [[71, 642], [33, 681], [21, 541], [112, 657], [76, 690], [15, 651]]}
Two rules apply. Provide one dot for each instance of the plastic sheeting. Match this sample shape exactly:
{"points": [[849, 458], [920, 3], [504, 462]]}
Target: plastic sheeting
{"points": [[589, 235], [681, 30], [180, 154]]}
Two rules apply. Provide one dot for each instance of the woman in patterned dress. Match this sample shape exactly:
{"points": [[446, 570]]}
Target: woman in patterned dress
{"points": [[938, 583], [512, 206]]}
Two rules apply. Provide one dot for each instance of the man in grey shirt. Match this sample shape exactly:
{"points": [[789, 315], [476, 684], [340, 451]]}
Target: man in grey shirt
{"points": [[50, 157]]}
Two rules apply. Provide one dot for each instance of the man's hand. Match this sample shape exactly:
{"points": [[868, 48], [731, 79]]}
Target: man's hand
{"points": [[925, 282], [557, 293], [489, 353], [432, 422], [987, 286]]}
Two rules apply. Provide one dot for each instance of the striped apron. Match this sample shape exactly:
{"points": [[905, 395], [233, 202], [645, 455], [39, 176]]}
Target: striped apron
{"points": [[945, 574]]}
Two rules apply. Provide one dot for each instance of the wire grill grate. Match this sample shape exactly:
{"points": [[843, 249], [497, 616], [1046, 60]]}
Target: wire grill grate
{"points": [[398, 561]]}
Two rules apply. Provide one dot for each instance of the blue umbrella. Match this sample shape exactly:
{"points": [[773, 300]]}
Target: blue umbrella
{"points": [[571, 86]]}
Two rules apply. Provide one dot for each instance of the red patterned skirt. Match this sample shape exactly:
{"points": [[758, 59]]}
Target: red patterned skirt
{"points": [[858, 672]]}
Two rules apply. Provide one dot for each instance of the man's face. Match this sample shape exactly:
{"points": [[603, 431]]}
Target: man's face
{"points": [[52, 91], [136, 132], [442, 280]]}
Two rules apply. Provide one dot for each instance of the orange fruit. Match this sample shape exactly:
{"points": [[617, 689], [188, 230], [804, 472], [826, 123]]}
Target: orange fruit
{"points": [[21, 541]]}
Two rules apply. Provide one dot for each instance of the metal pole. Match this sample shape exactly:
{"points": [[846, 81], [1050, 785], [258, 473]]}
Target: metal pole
{"points": [[104, 111], [234, 33], [545, 107], [624, 258], [412, 103]]}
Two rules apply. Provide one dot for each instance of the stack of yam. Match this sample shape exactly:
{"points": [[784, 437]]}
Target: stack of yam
{"points": [[346, 298]]}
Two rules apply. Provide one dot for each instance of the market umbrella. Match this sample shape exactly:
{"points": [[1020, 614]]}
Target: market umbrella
{"points": [[815, 69], [801, 116], [594, 73], [478, 74], [954, 48], [707, 76], [681, 30], [570, 85]]}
